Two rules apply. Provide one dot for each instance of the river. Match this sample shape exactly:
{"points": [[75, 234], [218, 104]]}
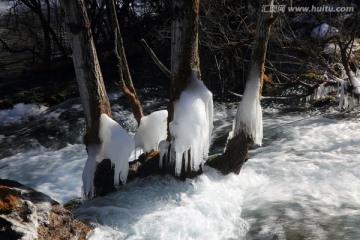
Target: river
{"points": [[303, 183]]}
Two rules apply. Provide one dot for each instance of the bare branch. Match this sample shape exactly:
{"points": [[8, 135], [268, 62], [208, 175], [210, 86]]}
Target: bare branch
{"points": [[156, 60]]}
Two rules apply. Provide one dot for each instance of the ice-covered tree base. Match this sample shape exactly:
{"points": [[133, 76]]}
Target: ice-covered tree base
{"points": [[190, 129], [249, 113], [116, 145]]}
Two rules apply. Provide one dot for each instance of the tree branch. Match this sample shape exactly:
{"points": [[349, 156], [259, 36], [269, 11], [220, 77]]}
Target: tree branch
{"points": [[156, 60]]}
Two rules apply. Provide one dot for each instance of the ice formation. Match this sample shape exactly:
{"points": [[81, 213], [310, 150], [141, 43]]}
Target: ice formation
{"points": [[89, 170], [323, 90], [191, 127], [116, 145], [346, 99], [355, 82], [152, 130], [249, 113], [324, 30], [163, 148]]}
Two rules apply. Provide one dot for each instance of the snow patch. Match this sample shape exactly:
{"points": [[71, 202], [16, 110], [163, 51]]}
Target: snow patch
{"points": [[116, 145], [152, 130], [191, 127], [249, 113]]}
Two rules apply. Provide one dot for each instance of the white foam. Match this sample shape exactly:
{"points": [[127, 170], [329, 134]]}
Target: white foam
{"points": [[208, 207], [20, 112], [53, 172], [305, 180], [115, 95], [306, 177]]}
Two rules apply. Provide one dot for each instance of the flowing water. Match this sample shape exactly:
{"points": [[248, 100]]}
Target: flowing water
{"points": [[303, 183]]}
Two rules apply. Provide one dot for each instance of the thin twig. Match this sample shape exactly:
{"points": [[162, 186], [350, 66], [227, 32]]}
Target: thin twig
{"points": [[156, 60]]}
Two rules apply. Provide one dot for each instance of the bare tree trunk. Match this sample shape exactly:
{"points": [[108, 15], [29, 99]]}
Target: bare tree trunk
{"points": [[237, 146], [184, 45], [88, 74], [125, 81]]}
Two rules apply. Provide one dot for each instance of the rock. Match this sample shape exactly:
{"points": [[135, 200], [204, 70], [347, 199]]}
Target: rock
{"points": [[28, 214]]}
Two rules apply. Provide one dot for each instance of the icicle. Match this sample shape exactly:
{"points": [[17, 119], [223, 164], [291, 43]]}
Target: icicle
{"points": [[178, 163], [163, 147], [342, 93], [89, 170], [192, 124], [116, 145]]}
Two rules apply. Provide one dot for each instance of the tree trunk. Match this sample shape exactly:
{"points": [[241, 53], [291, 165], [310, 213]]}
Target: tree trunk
{"points": [[88, 74], [184, 45], [237, 146], [125, 81], [184, 63]]}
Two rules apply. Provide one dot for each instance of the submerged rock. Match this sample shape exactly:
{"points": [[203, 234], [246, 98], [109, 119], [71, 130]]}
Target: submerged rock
{"points": [[28, 214]]}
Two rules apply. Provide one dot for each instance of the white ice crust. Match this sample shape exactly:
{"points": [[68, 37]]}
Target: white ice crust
{"points": [[152, 130], [191, 127], [249, 112], [116, 145]]}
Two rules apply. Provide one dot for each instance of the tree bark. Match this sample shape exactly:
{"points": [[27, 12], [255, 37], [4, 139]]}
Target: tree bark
{"points": [[184, 62], [184, 45], [88, 74], [236, 150]]}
